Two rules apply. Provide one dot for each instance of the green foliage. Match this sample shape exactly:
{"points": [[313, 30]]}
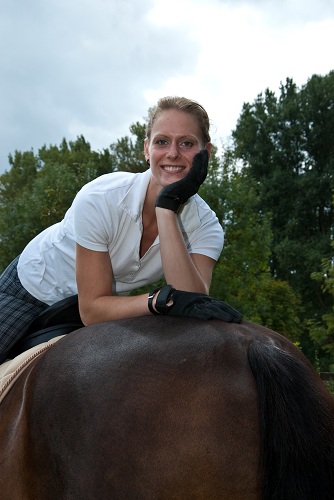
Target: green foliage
{"points": [[241, 276], [287, 145], [38, 190], [128, 155], [330, 386], [322, 328], [23, 171], [15, 187]]}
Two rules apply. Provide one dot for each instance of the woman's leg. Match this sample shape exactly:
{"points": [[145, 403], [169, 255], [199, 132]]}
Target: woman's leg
{"points": [[17, 309]]}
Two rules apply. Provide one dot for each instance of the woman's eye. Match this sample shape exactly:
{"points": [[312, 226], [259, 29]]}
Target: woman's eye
{"points": [[161, 142], [187, 144]]}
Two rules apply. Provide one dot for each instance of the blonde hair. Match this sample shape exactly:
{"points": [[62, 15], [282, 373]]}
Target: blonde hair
{"points": [[181, 104]]}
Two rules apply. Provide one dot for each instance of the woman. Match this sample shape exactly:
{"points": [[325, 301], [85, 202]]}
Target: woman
{"points": [[127, 230]]}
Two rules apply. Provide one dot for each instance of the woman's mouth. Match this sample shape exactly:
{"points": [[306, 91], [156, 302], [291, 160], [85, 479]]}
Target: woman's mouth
{"points": [[172, 168]]}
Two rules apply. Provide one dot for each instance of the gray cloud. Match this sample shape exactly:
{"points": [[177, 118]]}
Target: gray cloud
{"points": [[89, 66], [71, 67], [290, 11]]}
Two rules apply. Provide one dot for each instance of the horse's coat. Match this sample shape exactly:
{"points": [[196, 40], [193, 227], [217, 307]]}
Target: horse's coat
{"points": [[168, 408], [11, 369]]}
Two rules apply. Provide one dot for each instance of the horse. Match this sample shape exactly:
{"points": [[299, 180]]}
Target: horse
{"points": [[168, 408]]}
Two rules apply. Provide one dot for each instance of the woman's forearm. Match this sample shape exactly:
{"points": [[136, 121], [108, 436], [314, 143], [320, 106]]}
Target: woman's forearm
{"points": [[109, 308], [178, 267]]}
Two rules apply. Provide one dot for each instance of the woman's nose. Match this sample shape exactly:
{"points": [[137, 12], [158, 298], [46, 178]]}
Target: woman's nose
{"points": [[173, 152]]}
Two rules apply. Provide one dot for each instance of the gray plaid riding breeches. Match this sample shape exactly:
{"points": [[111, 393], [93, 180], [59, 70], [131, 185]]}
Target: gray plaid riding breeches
{"points": [[18, 308]]}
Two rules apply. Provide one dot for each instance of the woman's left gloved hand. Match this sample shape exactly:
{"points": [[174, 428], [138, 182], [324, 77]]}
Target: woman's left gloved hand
{"points": [[172, 197], [193, 305]]}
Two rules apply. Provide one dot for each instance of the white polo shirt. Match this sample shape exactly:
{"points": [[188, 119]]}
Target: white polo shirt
{"points": [[106, 216]]}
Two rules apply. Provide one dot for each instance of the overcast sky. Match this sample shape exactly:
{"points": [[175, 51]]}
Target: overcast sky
{"points": [[94, 67]]}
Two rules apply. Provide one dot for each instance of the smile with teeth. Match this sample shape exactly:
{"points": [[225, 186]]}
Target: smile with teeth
{"points": [[172, 168]]}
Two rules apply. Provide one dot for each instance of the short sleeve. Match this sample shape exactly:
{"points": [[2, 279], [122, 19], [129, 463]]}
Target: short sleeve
{"points": [[91, 220], [201, 228]]}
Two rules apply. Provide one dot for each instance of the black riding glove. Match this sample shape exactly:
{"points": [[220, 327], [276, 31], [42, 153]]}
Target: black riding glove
{"points": [[175, 195], [193, 305]]}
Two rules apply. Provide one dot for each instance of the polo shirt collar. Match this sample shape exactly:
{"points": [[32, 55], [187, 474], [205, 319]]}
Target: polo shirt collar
{"points": [[133, 200]]}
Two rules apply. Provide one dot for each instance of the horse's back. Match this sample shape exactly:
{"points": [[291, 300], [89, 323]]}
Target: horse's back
{"points": [[147, 408], [143, 408]]}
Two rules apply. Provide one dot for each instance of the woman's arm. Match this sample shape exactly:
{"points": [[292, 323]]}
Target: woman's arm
{"points": [[184, 271], [94, 281]]}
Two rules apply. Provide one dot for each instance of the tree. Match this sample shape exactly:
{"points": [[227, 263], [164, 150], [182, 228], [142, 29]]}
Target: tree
{"points": [[242, 276], [38, 190], [322, 328], [286, 144], [127, 152], [22, 173]]}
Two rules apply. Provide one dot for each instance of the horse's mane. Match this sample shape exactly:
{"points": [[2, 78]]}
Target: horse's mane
{"points": [[296, 425]]}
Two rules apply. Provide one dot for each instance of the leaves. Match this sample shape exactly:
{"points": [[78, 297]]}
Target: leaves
{"points": [[286, 144]]}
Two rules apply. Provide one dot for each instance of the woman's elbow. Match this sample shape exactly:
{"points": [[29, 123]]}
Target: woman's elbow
{"points": [[86, 315]]}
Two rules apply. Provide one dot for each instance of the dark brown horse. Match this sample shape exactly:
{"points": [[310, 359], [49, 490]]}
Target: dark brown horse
{"points": [[167, 408]]}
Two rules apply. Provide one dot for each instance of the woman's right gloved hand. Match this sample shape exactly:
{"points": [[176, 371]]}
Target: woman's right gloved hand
{"points": [[192, 305], [172, 197]]}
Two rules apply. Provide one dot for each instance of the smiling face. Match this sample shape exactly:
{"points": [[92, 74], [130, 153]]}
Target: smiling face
{"points": [[174, 140]]}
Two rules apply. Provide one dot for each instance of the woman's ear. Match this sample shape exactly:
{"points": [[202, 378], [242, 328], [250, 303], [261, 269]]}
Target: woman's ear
{"points": [[208, 147], [146, 148], [146, 152]]}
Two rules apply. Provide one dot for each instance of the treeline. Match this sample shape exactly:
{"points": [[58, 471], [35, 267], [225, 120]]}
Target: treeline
{"points": [[271, 187]]}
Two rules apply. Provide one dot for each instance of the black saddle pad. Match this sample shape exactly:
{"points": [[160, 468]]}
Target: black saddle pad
{"points": [[41, 336], [65, 311], [59, 319]]}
